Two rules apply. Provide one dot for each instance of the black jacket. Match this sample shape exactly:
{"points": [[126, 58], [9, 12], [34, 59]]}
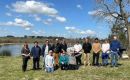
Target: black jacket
{"points": [[36, 52], [56, 48], [87, 47], [64, 47]]}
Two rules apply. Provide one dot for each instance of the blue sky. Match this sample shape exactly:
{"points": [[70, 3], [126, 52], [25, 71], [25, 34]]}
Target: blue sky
{"points": [[68, 18]]}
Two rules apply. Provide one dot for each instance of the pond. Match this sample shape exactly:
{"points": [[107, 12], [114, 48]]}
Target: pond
{"points": [[14, 49]]}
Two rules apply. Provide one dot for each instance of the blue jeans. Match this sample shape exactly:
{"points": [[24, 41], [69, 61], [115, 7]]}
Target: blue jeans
{"points": [[105, 57], [49, 69], [104, 61], [114, 58]]}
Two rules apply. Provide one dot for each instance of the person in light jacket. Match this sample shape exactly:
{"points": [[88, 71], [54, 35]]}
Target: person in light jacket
{"points": [[49, 62], [105, 52]]}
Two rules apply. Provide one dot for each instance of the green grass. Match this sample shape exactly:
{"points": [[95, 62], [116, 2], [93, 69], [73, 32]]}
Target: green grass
{"points": [[10, 69]]}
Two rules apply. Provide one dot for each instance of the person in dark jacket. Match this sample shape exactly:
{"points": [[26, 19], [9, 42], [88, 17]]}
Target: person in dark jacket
{"points": [[57, 51], [36, 52], [64, 45], [25, 55], [87, 48], [45, 50], [115, 47]]}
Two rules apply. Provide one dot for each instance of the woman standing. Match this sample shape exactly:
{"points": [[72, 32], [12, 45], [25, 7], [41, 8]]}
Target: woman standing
{"points": [[25, 55], [96, 47], [105, 51]]}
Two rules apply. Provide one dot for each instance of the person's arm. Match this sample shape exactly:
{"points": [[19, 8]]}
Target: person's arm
{"points": [[80, 48], [43, 49], [29, 52], [90, 46], [93, 48], [40, 51], [66, 47], [60, 59], [22, 52], [111, 46], [67, 59], [46, 61], [99, 48], [53, 61], [83, 46], [32, 51], [108, 48], [119, 46]]}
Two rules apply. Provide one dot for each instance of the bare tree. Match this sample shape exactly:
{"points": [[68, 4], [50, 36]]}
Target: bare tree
{"points": [[118, 10]]}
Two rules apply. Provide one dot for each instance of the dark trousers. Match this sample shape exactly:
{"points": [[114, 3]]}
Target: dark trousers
{"points": [[24, 66], [95, 58], [72, 67], [64, 66], [36, 63], [78, 59]]}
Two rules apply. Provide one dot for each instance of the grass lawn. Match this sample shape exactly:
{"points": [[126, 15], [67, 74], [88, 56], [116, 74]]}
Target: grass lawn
{"points": [[10, 69]]}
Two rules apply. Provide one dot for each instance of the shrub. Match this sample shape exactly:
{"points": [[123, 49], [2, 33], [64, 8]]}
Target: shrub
{"points": [[5, 53]]}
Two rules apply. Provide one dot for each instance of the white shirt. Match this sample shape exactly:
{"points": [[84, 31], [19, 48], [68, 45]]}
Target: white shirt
{"points": [[46, 50], [77, 47], [105, 47], [49, 61]]}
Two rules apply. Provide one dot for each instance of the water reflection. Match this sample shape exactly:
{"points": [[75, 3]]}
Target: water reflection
{"points": [[14, 49]]}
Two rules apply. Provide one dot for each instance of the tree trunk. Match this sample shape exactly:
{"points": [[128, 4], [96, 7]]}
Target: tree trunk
{"points": [[128, 33]]}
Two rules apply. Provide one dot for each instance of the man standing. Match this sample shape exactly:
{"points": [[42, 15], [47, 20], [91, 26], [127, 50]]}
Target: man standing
{"points": [[78, 53], [87, 48], [96, 47], [36, 52], [45, 50], [114, 46], [64, 45], [57, 51]]}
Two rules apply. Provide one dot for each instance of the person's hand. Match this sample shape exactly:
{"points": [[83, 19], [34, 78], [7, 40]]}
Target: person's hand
{"points": [[62, 62]]}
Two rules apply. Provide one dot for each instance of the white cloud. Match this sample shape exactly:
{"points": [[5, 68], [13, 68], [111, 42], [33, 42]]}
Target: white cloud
{"points": [[18, 22], [8, 14], [36, 7], [90, 32], [98, 12], [78, 31], [48, 21], [36, 17], [61, 19], [70, 28], [33, 7], [39, 32], [79, 6]]}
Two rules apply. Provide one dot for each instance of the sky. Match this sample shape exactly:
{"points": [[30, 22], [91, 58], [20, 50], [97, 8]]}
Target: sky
{"points": [[62, 18]]}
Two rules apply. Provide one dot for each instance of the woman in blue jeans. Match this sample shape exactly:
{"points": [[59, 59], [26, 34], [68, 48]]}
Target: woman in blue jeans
{"points": [[105, 52]]}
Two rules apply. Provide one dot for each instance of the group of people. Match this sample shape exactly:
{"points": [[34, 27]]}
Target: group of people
{"points": [[59, 55]]}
